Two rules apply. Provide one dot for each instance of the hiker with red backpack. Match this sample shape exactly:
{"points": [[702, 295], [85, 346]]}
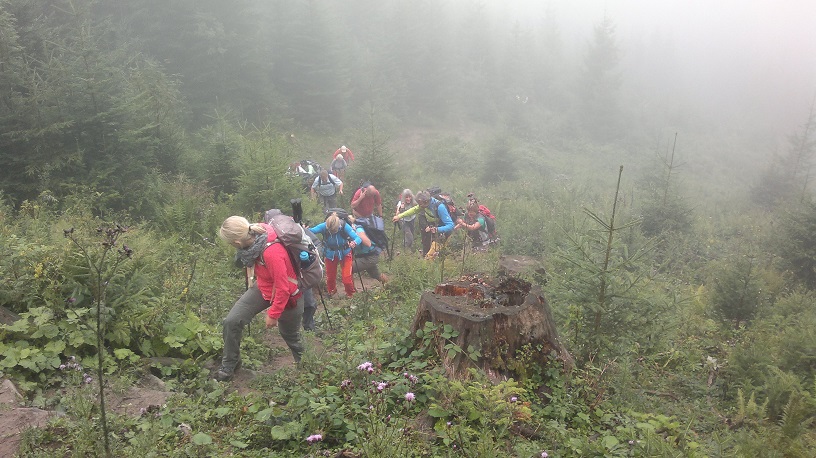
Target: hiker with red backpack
{"points": [[435, 222], [275, 290], [479, 223]]}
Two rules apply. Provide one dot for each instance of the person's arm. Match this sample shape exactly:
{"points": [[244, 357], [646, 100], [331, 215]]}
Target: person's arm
{"points": [[445, 219], [352, 235], [378, 203], [363, 236], [339, 184], [276, 260], [358, 196], [319, 229], [411, 211]]}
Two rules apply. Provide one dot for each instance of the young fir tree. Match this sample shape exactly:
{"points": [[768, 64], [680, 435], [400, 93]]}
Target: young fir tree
{"points": [[374, 163], [786, 178]]}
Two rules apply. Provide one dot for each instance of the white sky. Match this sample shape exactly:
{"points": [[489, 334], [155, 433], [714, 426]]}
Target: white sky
{"points": [[758, 53]]}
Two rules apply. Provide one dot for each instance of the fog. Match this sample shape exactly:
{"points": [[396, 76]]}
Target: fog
{"points": [[754, 58]]}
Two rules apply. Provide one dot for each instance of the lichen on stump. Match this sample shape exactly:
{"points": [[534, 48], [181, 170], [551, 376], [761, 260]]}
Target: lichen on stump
{"points": [[497, 317]]}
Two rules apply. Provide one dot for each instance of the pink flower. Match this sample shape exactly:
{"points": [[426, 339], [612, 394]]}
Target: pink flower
{"points": [[409, 396], [366, 367], [314, 438]]}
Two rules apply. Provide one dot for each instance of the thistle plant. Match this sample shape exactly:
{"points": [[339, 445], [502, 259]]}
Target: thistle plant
{"points": [[103, 260], [388, 404]]}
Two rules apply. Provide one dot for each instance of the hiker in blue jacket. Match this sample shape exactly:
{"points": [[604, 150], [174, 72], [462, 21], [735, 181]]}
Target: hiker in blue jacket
{"points": [[338, 240]]}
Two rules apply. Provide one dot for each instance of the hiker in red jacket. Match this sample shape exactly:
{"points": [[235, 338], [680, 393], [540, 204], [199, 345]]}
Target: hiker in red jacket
{"points": [[275, 290], [347, 153]]}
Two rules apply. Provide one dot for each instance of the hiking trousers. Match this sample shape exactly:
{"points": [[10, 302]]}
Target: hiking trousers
{"points": [[328, 201], [368, 264], [345, 274], [309, 309], [248, 305]]}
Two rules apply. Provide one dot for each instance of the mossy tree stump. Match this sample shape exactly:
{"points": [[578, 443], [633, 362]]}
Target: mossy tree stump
{"points": [[498, 317]]}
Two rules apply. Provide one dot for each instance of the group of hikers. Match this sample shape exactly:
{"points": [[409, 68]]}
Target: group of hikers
{"points": [[278, 251]]}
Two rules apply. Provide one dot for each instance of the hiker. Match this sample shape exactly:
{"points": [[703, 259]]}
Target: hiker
{"points": [[405, 202], [366, 201], [327, 186], [476, 226], [338, 166], [367, 255], [347, 153], [338, 240], [275, 290], [435, 222]]}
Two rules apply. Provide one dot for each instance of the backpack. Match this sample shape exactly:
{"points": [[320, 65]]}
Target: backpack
{"points": [[375, 230], [490, 220], [446, 199], [303, 252], [342, 213]]}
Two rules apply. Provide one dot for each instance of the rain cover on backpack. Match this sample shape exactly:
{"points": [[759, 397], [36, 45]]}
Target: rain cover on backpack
{"points": [[294, 237]]}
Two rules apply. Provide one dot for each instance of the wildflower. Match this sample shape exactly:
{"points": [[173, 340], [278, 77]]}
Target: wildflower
{"points": [[366, 367], [631, 442], [411, 378], [409, 396], [449, 423], [346, 384], [62, 367], [544, 454], [88, 379], [381, 386], [142, 411], [314, 438], [513, 399]]}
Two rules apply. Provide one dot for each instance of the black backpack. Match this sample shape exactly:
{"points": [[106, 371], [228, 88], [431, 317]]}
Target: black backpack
{"points": [[446, 199]]}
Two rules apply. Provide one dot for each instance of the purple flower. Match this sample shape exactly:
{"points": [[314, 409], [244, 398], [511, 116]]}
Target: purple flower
{"points": [[314, 438], [346, 384], [88, 379], [381, 386], [366, 367], [62, 367], [513, 399], [409, 396], [411, 378], [544, 454]]}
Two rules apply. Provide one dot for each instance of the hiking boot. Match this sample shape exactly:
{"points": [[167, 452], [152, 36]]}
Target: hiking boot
{"points": [[224, 375]]}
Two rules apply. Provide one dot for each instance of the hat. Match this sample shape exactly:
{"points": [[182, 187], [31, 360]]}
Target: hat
{"points": [[343, 148]]}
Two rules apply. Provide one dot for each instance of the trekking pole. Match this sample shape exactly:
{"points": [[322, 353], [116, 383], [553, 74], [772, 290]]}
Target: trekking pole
{"points": [[464, 251], [391, 251], [246, 288], [328, 318], [360, 274], [442, 265]]}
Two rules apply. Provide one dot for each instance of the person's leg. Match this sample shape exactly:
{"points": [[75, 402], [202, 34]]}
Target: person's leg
{"points": [[248, 305], [427, 237], [408, 233], [331, 201], [348, 280], [331, 276], [309, 309], [289, 328]]}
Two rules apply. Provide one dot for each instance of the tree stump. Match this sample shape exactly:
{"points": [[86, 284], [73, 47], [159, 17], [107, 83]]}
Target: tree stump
{"points": [[498, 317]]}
